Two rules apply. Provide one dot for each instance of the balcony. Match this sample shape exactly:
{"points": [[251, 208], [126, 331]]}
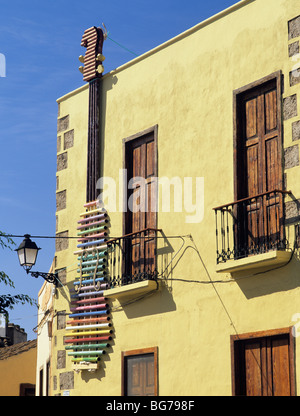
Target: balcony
{"points": [[250, 233], [132, 264]]}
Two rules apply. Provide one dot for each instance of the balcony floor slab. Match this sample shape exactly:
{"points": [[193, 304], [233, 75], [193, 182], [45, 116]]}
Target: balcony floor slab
{"points": [[270, 259], [132, 289]]}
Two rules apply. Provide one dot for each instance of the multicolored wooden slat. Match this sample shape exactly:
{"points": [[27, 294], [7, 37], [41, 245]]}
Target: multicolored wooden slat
{"points": [[89, 329]]}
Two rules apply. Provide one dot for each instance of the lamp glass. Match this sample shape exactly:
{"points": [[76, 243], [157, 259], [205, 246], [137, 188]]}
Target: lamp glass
{"points": [[30, 257], [27, 253], [21, 255]]}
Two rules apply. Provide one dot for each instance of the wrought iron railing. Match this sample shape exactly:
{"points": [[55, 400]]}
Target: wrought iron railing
{"points": [[132, 258], [250, 226]]}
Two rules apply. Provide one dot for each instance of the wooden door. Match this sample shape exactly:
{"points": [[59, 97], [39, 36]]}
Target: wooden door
{"points": [[259, 167], [263, 366], [142, 176]]}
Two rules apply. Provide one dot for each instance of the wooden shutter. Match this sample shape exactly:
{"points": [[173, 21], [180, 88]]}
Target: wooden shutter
{"points": [[141, 155], [140, 372], [263, 365], [140, 375], [258, 160], [141, 162]]}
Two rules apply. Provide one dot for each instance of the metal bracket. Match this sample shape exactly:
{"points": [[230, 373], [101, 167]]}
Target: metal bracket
{"points": [[49, 277]]}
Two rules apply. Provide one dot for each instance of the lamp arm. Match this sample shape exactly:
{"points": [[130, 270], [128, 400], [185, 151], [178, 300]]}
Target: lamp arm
{"points": [[49, 277]]}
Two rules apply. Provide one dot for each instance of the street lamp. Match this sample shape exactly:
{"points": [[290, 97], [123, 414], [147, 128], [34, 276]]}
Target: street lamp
{"points": [[27, 253]]}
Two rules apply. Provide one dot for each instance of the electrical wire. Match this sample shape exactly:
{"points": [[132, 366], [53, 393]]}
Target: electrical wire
{"points": [[117, 43], [71, 237], [161, 275], [188, 280], [210, 281], [213, 282]]}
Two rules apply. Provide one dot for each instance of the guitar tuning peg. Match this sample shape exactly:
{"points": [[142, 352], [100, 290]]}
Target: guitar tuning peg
{"points": [[100, 57], [81, 58], [100, 69], [81, 68], [105, 33]]}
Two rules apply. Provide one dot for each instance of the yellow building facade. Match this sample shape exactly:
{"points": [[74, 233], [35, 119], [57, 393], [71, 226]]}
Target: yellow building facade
{"points": [[18, 368], [212, 117]]}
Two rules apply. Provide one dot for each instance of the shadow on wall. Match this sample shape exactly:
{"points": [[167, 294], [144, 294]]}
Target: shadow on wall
{"points": [[270, 280], [282, 278], [159, 300], [109, 84], [155, 302], [100, 372]]}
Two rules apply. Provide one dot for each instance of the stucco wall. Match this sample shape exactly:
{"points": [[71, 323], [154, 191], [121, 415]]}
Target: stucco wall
{"points": [[16, 370]]}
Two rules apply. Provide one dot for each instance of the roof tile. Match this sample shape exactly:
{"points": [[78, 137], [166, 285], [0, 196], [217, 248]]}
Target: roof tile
{"points": [[16, 349]]}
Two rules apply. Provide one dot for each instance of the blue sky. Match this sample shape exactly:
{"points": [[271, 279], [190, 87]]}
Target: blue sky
{"points": [[41, 44]]}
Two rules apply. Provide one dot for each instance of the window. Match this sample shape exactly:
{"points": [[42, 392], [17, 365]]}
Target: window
{"points": [[254, 223], [263, 363], [27, 389], [47, 378], [258, 165], [140, 372], [140, 161]]}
